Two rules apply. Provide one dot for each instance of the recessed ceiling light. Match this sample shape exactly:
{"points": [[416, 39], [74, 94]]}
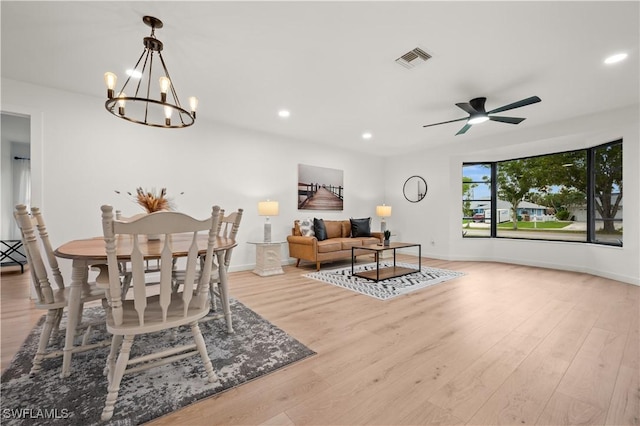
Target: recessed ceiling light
{"points": [[615, 58], [134, 73], [284, 113], [367, 135]]}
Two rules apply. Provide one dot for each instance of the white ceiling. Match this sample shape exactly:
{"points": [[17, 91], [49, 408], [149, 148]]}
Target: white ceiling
{"points": [[332, 63]]}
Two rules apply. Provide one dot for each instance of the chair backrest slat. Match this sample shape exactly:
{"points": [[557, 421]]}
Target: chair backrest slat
{"points": [[165, 224], [231, 225], [137, 269], [48, 249], [34, 252]]}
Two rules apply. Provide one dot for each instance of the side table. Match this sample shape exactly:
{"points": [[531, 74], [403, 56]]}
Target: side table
{"points": [[268, 258]]}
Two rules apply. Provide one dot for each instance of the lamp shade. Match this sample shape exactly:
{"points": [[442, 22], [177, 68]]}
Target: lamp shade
{"points": [[268, 208], [383, 211]]}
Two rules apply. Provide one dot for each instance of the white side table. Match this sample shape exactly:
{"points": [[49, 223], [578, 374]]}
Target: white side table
{"points": [[268, 258]]}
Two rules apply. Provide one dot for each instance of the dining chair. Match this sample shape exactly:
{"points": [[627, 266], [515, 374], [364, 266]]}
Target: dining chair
{"points": [[151, 265], [228, 227], [52, 299], [149, 313]]}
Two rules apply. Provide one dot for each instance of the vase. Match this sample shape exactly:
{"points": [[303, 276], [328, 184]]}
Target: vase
{"points": [[386, 242]]}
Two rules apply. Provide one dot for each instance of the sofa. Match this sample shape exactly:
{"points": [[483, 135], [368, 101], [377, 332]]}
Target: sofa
{"points": [[321, 240]]}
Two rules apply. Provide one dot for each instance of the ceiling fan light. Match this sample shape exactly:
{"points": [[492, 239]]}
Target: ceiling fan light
{"points": [[478, 119]]}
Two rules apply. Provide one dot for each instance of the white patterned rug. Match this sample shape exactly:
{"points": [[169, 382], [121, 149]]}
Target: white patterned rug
{"points": [[386, 289], [256, 348]]}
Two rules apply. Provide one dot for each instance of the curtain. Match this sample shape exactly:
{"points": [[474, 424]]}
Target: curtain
{"points": [[21, 188]]}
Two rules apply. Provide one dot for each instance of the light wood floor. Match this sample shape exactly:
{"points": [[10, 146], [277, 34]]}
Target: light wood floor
{"points": [[505, 344]]}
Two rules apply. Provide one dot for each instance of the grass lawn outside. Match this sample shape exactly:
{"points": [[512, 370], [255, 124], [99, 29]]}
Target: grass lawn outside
{"points": [[535, 225]]}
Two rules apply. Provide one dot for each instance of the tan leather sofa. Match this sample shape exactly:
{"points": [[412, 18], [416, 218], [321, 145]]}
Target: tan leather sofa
{"points": [[337, 245]]}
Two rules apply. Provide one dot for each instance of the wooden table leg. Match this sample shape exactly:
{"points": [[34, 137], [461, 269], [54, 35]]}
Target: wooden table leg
{"points": [[79, 277]]}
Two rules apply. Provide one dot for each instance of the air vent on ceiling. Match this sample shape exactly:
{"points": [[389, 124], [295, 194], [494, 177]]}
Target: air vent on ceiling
{"points": [[413, 58]]}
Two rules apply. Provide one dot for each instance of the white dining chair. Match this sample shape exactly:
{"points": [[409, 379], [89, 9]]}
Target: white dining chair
{"points": [[149, 313], [52, 299], [228, 227]]}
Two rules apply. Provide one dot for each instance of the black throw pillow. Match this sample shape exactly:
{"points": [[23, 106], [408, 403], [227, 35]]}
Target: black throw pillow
{"points": [[360, 227], [319, 229]]}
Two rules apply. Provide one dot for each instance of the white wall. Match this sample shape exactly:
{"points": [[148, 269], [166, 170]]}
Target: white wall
{"points": [[85, 154], [81, 154], [436, 221]]}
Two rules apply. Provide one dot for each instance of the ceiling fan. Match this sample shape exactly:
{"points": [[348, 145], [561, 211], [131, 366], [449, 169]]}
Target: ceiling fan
{"points": [[477, 113]]}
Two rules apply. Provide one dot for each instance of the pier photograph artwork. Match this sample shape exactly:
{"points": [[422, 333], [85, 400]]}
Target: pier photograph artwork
{"points": [[320, 188]]}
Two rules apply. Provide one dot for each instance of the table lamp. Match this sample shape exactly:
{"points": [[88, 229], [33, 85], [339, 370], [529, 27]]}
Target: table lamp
{"points": [[267, 208], [383, 211]]}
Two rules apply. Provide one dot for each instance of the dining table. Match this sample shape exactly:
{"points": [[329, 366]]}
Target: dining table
{"points": [[85, 253]]}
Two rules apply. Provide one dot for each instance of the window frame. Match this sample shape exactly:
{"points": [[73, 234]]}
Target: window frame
{"points": [[590, 190]]}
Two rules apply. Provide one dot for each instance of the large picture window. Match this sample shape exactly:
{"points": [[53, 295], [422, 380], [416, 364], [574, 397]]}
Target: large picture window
{"points": [[567, 196]]}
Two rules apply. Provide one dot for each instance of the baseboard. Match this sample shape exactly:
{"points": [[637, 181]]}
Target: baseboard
{"points": [[549, 265]]}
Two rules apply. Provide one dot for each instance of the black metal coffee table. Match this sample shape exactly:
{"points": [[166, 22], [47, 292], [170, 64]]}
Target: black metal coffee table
{"points": [[388, 271]]}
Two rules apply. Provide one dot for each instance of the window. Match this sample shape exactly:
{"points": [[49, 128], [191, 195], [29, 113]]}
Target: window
{"points": [[567, 196], [606, 175], [476, 199]]}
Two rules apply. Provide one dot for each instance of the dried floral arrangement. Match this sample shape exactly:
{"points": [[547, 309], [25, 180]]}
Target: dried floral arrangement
{"points": [[151, 201]]}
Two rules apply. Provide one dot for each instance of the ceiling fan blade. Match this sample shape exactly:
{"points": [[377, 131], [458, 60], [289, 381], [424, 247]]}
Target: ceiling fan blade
{"points": [[510, 120], [466, 107], [464, 129], [524, 102], [445, 122]]}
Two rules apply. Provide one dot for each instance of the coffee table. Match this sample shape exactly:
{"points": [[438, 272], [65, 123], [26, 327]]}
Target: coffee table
{"points": [[387, 271]]}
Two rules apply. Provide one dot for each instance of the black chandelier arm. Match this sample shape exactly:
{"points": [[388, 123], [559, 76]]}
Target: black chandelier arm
{"points": [[173, 90], [111, 103], [146, 109]]}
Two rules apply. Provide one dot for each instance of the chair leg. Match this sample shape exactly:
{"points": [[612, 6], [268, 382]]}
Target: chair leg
{"points": [[43, 342], [114, 383], [110, 365], [212, 293], [202, 348], [56, 326], [297, 263], [223, 291]]}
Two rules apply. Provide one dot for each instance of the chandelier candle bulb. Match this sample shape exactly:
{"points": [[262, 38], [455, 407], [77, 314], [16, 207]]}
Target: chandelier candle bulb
{"points": [[164, 87], [193, 104], [121, 103], [110, 80], [167, 115]]}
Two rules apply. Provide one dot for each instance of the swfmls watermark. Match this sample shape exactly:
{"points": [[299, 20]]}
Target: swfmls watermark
{"points": [[35, 413]]}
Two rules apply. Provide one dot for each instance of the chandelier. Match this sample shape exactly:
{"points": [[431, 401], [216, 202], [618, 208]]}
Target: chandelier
{"points": [[141, 108]]}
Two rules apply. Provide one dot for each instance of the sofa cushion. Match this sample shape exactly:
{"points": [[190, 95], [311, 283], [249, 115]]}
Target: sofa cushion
{"points": [[329, 245], [306, 227], [361, 227], [334, 228], [367, 241], [347, 243], [346, 228], [319, 229]]}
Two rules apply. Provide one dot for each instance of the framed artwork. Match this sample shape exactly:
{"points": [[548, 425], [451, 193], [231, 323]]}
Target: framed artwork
{"points": [[320, 188]]}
